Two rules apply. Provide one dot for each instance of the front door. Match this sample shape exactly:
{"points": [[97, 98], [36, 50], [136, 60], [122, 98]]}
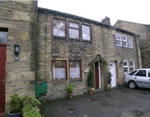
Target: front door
{"points": [[113, 73], [2, 77], [96, 76]]}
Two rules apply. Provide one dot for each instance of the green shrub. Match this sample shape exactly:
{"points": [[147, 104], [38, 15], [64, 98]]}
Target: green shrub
{"points": [[90, 79], [15, 103], [30, 107], [109, 78], [69, 88]]}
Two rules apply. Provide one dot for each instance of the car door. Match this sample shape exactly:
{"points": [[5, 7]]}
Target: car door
{"points": [[141, 79]]}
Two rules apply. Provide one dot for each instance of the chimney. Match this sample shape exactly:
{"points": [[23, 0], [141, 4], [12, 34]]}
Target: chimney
{"points": [[106, 20]]}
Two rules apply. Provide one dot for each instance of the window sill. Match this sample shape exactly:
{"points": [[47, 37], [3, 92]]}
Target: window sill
{"points": [[59, 80], [88, 41], [57, 37], [73, 39], [74, 80]]}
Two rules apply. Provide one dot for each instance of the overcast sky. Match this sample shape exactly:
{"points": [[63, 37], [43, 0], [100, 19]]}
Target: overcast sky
{"points": [[128, 10]]}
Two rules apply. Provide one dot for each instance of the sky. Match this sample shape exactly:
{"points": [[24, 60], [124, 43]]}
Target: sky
{"points": [[129, 10]]}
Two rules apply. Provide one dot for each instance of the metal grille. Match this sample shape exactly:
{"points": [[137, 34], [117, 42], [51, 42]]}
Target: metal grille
{"points": [[3, 37]]}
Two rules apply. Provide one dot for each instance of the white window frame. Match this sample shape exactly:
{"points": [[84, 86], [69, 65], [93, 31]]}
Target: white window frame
{"points": [[124, 41], [131, 66], [127, 66], [130, 42], [118, 39]]}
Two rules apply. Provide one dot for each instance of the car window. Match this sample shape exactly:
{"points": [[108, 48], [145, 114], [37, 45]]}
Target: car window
{"points": [[132, 73], [148, 73], [141, 73]]}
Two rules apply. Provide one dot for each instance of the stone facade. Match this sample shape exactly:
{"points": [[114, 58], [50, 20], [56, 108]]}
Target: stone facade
{"points": [[144, 40], [31, 28], [20, 20], [50, 48]]}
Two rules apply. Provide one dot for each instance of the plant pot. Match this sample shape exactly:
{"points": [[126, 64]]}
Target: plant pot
{"points": [[14, 114], [69, 95], [90, 92]]}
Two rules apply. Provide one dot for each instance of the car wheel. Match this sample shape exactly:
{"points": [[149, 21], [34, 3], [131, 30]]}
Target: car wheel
{"points": [[132, 85]]}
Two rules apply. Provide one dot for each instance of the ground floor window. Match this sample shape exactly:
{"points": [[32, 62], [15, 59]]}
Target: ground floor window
{"points": [[59, 70], [75, 69], [128, 66]]}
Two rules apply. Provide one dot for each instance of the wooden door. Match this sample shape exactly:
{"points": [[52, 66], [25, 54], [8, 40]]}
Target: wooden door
{"points": [[2, 77], [96, 76]]}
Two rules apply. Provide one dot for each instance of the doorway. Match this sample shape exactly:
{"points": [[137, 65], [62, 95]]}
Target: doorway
{"points": [[97, 75], [113, 73], [2, 77]]}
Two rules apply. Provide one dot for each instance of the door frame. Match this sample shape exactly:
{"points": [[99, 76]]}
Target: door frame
{"points": [[99, 75], [115, 72]]}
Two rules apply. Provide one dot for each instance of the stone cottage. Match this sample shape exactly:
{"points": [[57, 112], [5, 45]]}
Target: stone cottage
{"points": [[144, 31], [42, 45]]}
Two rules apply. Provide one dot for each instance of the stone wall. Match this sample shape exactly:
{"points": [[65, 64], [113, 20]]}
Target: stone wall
{"points": [[50, 48], [20, 19]]}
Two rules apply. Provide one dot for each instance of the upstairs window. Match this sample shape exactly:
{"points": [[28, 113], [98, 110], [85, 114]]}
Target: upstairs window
{"points": [[86, 35], [59, 70], [118, 39], [130, 42], [124, 41], [131, 66], [3, 37], [75, 68], [59, 27], [73, 30]]}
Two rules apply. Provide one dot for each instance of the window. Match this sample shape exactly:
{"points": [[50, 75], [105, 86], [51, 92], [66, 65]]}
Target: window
{"points": [[75, 68], [130, 42], [141, 73], [73, 30], [124, 41], [3, 37], [148, 73], [128, 66], [118, 39], [132, 73], [86, 35], [131, 66], [125, 66], [59, 27], [59, 70]]}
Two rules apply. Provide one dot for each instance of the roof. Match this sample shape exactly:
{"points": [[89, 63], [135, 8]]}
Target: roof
{"points": [[98, 57], [84, 19]]}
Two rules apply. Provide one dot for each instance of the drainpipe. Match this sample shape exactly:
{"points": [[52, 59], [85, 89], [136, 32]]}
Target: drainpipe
{"points": [[137, 50], [45, 41]]}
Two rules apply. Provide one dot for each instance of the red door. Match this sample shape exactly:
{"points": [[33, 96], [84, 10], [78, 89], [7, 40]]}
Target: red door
{"points": [[2, 77], [96, 76]]}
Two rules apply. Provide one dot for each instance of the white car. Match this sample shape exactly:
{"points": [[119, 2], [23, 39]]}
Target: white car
{"points": [[139, 78]]}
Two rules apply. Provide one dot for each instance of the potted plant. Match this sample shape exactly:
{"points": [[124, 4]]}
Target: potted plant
{"points": [[16, 105], [90, 83], [30, 108], [70, 90], [26, 106], [91, 90]]}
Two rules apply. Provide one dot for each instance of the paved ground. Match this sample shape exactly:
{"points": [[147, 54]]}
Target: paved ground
{"points": [[121, 102]]}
